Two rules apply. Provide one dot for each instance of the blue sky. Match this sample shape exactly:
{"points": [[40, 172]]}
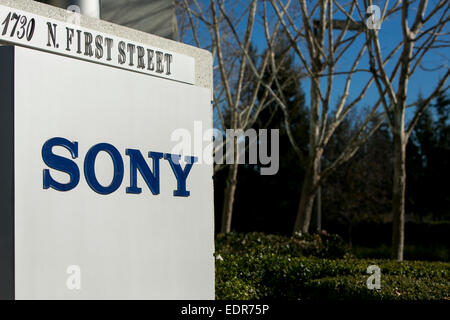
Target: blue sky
{"points": [[390, 34]]}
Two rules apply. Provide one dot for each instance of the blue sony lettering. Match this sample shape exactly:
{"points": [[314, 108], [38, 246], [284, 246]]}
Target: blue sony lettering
{"points": [[137, 162], [61, 164], [89, 168], [180, 174]]}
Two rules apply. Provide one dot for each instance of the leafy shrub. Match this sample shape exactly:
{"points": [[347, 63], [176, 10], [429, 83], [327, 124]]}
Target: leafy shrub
{"points": [[375, 233], [255, 266], [351, 287], [411, 252], [330, 246]]}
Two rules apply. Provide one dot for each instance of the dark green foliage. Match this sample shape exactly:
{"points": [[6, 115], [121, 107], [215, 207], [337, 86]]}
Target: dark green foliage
{"points": [[393, 287], [330, 246], [254, 266], [423, 240], [412, 252], [428, 161]]}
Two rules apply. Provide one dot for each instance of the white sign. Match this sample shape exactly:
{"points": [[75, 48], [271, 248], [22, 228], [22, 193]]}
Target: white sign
{"points": [[102, 209], [30, 30]]}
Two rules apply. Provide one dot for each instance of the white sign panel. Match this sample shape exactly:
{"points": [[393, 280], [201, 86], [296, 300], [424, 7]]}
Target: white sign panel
{"points": [[27, 29], [102, 208]]}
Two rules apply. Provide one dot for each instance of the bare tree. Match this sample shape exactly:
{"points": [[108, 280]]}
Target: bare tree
{"points": [[234, 64], [420, 36], [327, 41]]}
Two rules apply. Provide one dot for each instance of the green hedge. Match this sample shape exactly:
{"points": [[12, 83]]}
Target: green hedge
{"points": [[376, 233], [326, 246], [254, 266], [411, 252]]}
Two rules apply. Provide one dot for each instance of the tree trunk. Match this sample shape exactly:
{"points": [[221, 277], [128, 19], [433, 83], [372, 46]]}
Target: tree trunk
{"points": [[304, 209], [228, 199], [398, 196], [306, 204], [319, 206], [314, 154]]}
